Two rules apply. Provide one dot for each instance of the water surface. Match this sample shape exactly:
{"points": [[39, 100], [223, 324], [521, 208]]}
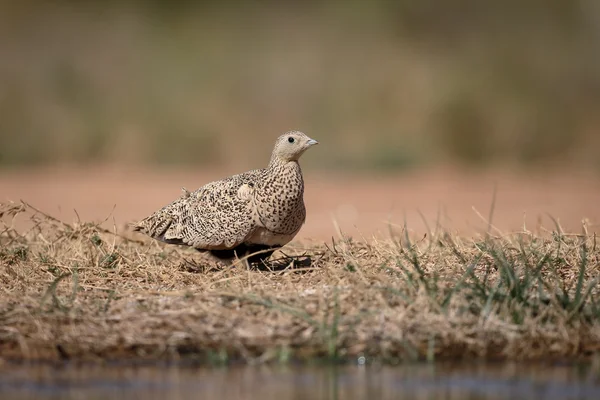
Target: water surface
{"points": [[411, 381]]}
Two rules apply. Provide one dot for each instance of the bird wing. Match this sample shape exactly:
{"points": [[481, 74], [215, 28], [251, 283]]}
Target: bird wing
{"points": [[219, 215]]}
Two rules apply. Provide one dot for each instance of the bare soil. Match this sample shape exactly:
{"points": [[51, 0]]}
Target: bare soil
{"points": [[359, 205], [80, 292]]}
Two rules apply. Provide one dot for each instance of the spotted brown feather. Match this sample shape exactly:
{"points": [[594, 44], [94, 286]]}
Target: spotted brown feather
{"points": [[262, 209]]}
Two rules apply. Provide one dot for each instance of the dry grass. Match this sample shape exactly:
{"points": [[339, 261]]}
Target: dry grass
{"points": [[79, 292]]}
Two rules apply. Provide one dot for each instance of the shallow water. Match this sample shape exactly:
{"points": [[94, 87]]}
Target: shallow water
{"points": [[413, 381]]}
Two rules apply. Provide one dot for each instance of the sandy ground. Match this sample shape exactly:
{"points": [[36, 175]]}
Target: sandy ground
{"points": [[363, 205]]}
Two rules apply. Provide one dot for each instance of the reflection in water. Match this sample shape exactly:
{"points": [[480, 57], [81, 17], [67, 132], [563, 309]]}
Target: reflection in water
{"points": [[415, 381]]}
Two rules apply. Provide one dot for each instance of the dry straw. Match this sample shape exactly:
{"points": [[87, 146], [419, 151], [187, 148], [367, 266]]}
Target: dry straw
{"points": [[81, 292]]}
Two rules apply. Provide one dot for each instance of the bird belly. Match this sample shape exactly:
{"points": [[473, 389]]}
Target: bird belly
{"points": [[266, 237]]}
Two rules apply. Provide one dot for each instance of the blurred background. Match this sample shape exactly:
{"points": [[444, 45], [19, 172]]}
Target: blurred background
{"points": [[399, 87]]}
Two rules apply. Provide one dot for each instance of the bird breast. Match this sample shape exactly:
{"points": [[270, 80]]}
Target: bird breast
{"points": [[279, 201]]}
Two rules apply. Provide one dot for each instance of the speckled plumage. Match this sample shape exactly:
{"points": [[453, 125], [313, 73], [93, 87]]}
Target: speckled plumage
{"points": [[258, 210]]}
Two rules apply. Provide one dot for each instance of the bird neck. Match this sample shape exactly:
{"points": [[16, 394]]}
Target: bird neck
{"points": [[277, 163], [287, 170]]}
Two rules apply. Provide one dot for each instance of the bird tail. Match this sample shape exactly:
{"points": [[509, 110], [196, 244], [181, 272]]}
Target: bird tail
{"points": [[136, 226]]}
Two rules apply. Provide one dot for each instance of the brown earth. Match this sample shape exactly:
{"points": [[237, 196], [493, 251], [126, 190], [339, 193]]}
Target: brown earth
{"points": [[79, 293], [359, 205]]}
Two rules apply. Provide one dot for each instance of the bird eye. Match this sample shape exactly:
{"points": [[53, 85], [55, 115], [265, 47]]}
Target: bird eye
{"points": [[291, 139]]}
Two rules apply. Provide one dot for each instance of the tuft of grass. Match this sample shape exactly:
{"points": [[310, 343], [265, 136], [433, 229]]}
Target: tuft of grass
{"points": [[107, 295]]}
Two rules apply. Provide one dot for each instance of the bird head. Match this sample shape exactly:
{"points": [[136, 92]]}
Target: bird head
{"points": [[291, 145]]}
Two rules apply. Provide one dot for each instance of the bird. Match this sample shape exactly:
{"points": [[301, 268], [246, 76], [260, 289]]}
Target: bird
{"points": [[251, 214]]}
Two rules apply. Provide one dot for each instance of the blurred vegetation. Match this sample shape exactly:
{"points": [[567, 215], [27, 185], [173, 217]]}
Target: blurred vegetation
{"points": [[382, 84]]}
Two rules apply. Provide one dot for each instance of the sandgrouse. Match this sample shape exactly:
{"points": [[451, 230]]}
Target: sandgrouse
{"points": [[259, 210]]}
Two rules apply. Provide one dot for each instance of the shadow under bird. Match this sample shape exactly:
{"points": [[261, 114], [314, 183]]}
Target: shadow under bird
{"points": [[256, 211]]}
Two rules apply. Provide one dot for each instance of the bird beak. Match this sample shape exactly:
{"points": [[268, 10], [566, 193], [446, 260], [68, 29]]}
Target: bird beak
{"points": [[311, 142]]}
